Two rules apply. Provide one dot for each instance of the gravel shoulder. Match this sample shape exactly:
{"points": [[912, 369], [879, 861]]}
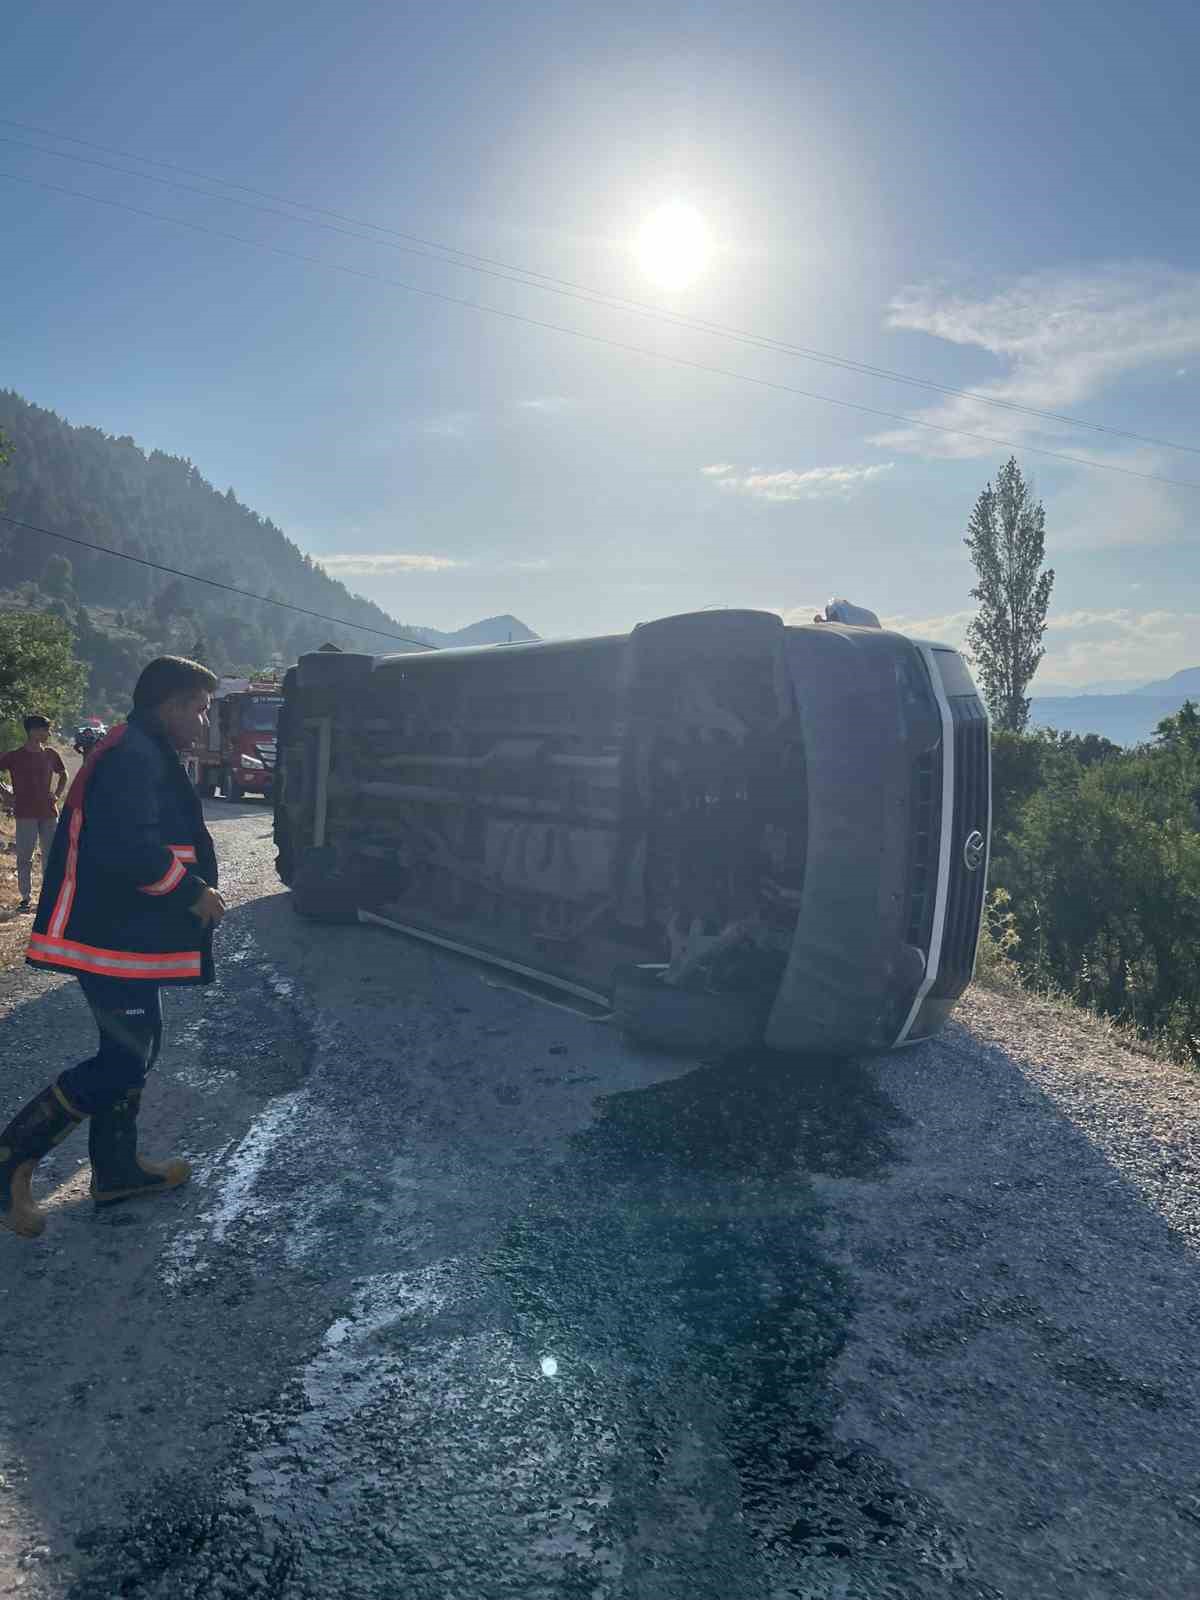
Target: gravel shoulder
{"points": [[1028, 1300]]}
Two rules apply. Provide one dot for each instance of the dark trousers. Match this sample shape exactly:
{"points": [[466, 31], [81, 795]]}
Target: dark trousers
{"points": [[129, 1017]]}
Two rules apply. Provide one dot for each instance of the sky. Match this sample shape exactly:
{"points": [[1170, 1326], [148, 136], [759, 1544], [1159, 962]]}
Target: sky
{"points": [[999, 199]]}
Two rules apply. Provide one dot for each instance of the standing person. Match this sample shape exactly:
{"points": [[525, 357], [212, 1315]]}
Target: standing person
{"points": [[34, 769], [129, 903]]}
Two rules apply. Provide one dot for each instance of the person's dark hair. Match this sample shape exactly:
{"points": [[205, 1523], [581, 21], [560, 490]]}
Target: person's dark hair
{"points": [[34, 721], [169, 675]]}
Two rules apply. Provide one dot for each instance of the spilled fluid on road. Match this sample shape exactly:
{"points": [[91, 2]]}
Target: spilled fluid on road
{"points": [[629, 1395]]}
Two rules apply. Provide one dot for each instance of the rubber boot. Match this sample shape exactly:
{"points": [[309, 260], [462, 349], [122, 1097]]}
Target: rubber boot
{"points": [[118, 1172], [45, 1121]]}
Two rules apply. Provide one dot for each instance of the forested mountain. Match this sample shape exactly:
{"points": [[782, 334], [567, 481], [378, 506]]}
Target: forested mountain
{"points": [[85, 483]]}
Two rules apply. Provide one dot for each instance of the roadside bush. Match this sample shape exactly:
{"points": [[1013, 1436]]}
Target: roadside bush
{"points": [[1024, 763], [1018, 760], [999, 941], [1096, 878]]}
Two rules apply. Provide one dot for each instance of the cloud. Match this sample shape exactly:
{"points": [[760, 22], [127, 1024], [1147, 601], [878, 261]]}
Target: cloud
{"points": [[949, 628], [548, 403], [392, 562], [1130, 644], [1120, 620], [1062, 336], [1086, 646], [381, 566], [818, 483]]}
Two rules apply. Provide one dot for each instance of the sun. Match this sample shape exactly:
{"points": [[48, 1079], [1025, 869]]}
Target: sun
{"points": [[673, 247]]}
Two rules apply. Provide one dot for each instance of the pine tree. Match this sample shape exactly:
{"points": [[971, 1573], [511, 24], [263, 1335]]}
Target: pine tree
{"points": [[58, 578], [1007, 540], [169, 602]]}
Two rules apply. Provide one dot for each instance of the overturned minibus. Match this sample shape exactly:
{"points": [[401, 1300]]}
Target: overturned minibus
{"points": [[716, 813]]}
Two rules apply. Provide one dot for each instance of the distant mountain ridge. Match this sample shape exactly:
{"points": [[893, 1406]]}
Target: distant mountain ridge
{"points": [[1185, 683], [1067, 691], [492, 630], [1129, 718]]}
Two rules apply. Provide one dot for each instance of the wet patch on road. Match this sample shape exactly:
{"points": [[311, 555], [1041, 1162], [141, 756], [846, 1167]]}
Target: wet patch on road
{"points": [[256, 1028], [627, 1397]]}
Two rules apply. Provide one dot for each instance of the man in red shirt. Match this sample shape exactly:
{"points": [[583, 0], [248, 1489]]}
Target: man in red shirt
{"points": [[33, 768]]}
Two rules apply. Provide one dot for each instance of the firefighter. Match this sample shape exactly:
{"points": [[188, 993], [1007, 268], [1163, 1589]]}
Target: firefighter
{"points": [[129, 903]]}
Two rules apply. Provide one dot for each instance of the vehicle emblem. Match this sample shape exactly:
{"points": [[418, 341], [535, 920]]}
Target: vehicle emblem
{"points": [[974, 850]]}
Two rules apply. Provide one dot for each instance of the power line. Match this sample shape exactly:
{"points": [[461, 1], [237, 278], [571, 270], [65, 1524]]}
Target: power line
{"points": [[193, 577], [526, 277], [601, 339]]}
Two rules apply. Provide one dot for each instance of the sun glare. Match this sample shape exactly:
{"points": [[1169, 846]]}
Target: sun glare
{"points": [[673, 246]]}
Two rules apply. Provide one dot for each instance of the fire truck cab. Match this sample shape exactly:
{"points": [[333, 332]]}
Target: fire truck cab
{"points": [[239, 757]]}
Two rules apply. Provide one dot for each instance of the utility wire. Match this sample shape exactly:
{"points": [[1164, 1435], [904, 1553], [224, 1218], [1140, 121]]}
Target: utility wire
{"points": [[600, 339], [432, 250], [193, 577]]}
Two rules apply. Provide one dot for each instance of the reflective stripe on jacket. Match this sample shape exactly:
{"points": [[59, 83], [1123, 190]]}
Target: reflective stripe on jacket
{"points": [[131, 855]]}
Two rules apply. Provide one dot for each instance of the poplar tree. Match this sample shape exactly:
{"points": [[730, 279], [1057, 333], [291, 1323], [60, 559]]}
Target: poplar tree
{"points": [[1007, 540]]}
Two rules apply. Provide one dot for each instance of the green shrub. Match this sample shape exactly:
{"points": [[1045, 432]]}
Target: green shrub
{"points": [[999, 941], [1098, 864], [37, 671]]}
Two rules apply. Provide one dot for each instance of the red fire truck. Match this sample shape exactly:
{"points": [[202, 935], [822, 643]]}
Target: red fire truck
{"points": [[239, 758]]}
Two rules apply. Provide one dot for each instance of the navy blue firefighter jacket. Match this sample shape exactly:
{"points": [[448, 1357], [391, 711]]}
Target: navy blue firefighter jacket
{"points": [[131, 855]]}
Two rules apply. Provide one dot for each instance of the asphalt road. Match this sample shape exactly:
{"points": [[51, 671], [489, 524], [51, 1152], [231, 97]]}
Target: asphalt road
{"points": [[469, 1300]]}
